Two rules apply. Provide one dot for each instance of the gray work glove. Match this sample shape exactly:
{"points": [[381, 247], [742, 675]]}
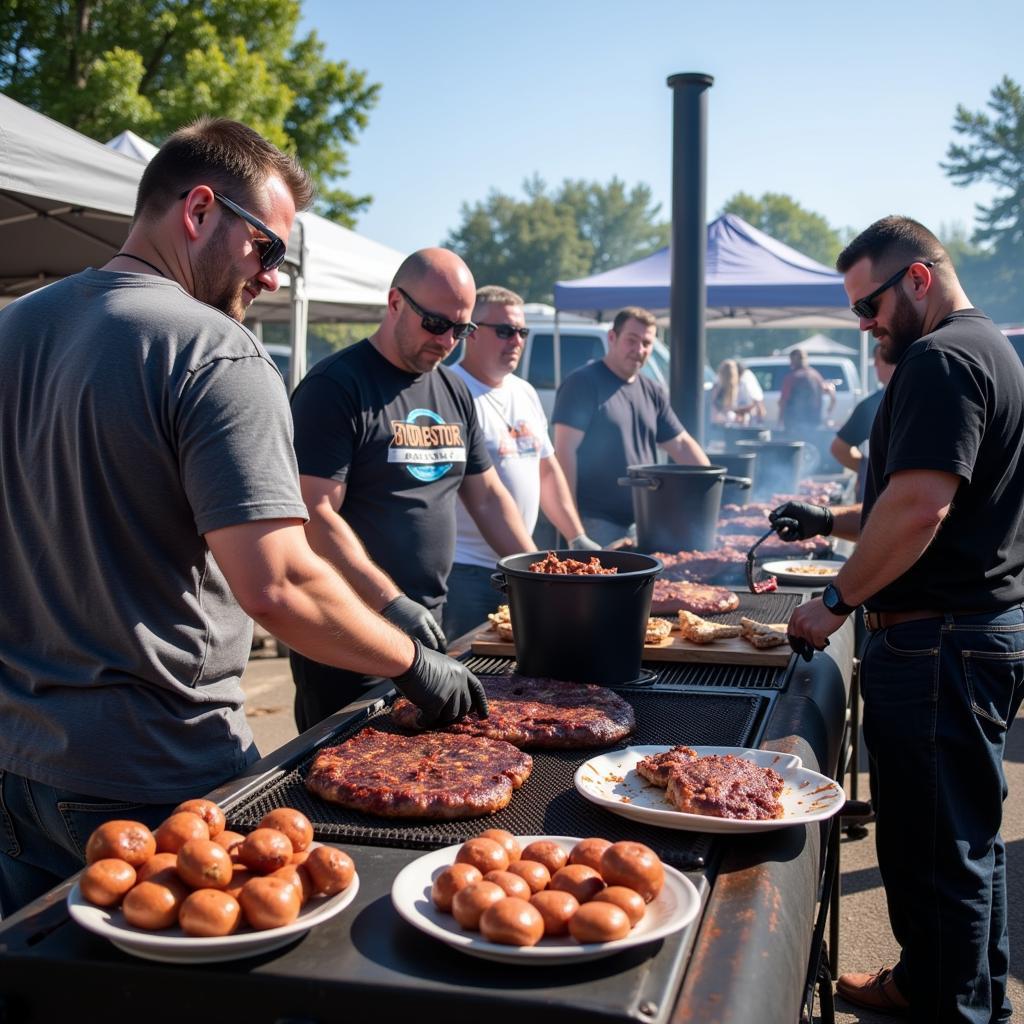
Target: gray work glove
{"points": [[443, 689], [583, 543], [798, 520], [415, 621]]}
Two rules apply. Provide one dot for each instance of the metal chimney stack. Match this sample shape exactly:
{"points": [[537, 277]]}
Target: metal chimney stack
{"points": [[689, 247]]}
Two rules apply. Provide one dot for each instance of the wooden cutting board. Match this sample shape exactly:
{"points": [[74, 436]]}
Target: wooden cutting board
{"points": [[722, 652]]}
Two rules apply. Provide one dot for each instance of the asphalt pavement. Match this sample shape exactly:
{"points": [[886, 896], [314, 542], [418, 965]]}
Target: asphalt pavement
{"points": [[865, 940]]}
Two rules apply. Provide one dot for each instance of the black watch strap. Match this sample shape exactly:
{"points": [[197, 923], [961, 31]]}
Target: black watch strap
{"points": [[834, 602]]}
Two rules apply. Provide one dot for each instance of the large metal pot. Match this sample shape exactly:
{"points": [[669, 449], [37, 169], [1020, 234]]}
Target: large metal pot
{"points": [[587, 629], [676, 507], [778, 467], [734, 435], [737, 464]]}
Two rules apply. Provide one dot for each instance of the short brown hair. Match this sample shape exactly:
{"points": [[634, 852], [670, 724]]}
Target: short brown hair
{"points": [[224, 154], [495, 295], [645, 316], [891, 243]]}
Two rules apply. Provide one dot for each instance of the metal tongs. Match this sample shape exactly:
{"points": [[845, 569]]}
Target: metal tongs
{"points": [[766, 584]]}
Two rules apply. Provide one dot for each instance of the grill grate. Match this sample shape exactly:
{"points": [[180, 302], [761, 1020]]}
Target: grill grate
{"points": [[770, 607], [547, 803]]}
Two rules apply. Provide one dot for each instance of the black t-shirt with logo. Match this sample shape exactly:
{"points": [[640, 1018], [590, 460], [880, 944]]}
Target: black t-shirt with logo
{"points": [[402, 444], [955, 404]]}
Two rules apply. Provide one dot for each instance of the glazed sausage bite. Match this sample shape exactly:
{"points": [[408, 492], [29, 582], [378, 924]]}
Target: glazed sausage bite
{"points": [[208, 811], [635, 866], [625, 899], [469, 903], [545, 852], [207, 912], [299, 876], [129, 841], [202, 864], [152, 906], [512, 922], [504, 839], [589, 851], [556, 908], [270, 902], [331, 869], [178, 829], [484, 854], [229, 840], [535, 875], [511, 883], [583, 882], [265, 850], [105, 882], [294, 824], [161, 867], [449, 882], [599, 922]]}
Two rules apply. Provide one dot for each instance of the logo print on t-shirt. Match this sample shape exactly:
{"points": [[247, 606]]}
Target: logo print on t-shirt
{"points": [[519, 443], [427, 451]]}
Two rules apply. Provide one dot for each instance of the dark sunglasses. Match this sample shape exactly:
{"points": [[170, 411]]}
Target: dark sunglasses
{"points": [[506, 331], [866, 308], [434, 323], [272, 249]]}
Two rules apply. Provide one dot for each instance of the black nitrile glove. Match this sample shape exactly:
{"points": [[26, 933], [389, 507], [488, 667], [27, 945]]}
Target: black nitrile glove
{"points": [[798, 520], [443, 689], [415, 621]]}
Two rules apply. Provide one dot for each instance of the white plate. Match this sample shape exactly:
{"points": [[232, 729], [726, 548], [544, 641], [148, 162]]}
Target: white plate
{"points": [[674, 907], [172, 945], [787, 571], [612, 781]]}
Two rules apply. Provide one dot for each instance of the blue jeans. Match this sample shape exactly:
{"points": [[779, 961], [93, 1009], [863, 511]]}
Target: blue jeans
{"points": [[43, 832], [471, 598], [939, 697]]}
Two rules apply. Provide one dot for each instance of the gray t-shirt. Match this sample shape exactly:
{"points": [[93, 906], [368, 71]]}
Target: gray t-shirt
{"points": [[133, 419]]}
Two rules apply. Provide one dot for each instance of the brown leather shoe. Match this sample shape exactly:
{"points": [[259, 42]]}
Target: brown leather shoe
{"points": [[876, 991]]}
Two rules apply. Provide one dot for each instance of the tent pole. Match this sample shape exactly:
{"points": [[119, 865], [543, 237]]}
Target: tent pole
{"points": [[299, 312]]}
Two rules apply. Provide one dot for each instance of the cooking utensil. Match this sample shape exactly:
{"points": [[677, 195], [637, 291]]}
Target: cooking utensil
{"points": [[767, 583]]}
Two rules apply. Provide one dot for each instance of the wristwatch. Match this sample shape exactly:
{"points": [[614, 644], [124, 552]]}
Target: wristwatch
{"points": [[833, 601]]}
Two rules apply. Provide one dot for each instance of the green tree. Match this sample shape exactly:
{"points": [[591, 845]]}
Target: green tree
{"points": [[101, 66], [993, 152], [785, 219], [550, 235]]}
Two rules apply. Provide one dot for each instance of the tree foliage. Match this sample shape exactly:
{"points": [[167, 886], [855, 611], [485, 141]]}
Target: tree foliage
{"points": [[548, 235], [993, 152], [101, 66], [785, 219]]}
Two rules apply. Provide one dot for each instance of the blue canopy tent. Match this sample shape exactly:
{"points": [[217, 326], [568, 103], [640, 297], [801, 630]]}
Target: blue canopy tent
{"points": [[753, 280]]}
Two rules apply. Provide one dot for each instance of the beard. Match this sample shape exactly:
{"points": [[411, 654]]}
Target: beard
{"points": [[219, 281], [902, 332]]}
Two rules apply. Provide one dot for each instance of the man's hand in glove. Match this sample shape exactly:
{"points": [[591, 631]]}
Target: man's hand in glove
{"points": [[583, 543], [798, 520], [443, 689], [415, 621]]}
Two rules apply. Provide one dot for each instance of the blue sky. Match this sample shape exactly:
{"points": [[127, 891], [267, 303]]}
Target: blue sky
{"points": [[846, 107]]}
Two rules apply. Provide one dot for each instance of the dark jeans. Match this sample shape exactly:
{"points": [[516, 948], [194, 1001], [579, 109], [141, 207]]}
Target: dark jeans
{"points": [[320, 690], [939, 697], [471, 598], [43, 832]]}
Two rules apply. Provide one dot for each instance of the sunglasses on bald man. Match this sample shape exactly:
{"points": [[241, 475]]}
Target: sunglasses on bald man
{"points": [[434, 323], [506, 331]]}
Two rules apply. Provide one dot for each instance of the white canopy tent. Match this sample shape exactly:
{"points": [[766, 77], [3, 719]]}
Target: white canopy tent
{"points": [[66, 203]]}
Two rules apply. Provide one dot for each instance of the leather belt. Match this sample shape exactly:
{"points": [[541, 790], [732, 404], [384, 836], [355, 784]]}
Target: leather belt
{"points": [[874, 621]]}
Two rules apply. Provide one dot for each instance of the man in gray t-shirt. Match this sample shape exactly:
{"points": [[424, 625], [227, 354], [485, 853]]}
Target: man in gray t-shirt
{"points": [[151, 505]]}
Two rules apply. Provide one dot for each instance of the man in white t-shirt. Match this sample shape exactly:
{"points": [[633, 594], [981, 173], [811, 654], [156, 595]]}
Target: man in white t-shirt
{"points": [[516, 432]]}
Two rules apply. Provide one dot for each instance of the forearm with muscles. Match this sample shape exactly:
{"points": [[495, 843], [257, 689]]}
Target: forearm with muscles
{"points": [[298, 597]]}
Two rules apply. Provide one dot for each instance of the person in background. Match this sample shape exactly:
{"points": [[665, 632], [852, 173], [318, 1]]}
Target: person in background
{"points": [[608, 416], [857, 429], [939, 568], [516, 432], [387, 439], [802, 394], [732, 397], [151, 505]]}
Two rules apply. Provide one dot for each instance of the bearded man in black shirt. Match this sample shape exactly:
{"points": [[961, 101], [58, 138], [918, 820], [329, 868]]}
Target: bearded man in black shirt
{"points": [[939, 568]]}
